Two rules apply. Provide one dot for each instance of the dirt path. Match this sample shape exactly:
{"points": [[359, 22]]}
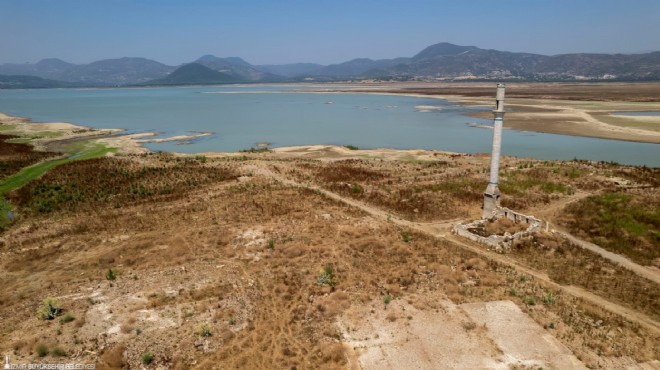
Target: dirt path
{"points": [[616, 258], [551, 213], [440, 230], [578, 292]]}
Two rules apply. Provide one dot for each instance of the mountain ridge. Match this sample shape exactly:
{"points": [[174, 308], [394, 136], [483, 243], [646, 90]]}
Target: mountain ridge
{"points": [[441, 61], [194, 74]]}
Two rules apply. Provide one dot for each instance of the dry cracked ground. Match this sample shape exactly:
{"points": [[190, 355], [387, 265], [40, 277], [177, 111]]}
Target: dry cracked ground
{"points": [[327, 259]]}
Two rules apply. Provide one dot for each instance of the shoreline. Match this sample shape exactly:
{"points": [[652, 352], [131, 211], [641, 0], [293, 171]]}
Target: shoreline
{"points": [[54, 136], [65, 136], [570, 118], [133, 143]]}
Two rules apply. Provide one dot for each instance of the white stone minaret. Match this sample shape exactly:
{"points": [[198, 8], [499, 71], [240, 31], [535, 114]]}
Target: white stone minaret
{"points": [[7, 364], [492, 194]]}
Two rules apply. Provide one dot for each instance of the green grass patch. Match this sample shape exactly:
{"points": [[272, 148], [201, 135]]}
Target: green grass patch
{"points": [[27, 138], [623, 223], [8, 129], [104, 181], [518, 182], [465, 189], [67, 318], [255, 150], [47, 134], [20, 140], [27, 174], [5, 209], [30, 173]]}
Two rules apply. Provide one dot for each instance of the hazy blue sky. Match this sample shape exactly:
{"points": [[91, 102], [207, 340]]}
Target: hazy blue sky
{"points": [[284, 31]]}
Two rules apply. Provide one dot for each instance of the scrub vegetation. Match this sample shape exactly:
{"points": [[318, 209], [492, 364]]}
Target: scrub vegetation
{"points": [[249, 261], [627, 223]]}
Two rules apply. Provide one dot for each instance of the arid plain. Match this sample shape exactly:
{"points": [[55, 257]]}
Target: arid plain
{"points": [[329, 257]]}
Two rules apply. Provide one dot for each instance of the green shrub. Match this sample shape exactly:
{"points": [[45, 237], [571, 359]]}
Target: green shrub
{"points": [[49, 309], [405, 236], [549, 298], [357, 189], [147, 358], [42, 350], [67, 318], [327, 276], [204, 330], [254, 150], [110, 275], [57, 351], [351, 147], [387, 299]]}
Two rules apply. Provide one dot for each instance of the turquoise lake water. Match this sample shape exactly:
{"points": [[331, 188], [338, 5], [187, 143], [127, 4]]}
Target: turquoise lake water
{"points": [[240, 117]]}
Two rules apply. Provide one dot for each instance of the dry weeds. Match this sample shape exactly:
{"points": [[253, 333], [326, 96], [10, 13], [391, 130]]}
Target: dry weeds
{"points": [[203, 254]]}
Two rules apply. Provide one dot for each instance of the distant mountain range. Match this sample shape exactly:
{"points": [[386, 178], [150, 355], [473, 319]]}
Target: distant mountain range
{"points": [[195, 74], [441, 61]]}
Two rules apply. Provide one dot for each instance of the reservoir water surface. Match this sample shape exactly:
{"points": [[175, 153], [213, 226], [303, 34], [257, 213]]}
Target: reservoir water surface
{"points": [[242, 116]]}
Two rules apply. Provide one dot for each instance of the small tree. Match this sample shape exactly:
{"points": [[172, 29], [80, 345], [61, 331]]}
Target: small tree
{"points": [[110, 275], [49, 309]]}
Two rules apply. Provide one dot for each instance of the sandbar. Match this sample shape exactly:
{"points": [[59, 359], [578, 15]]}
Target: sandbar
{"points": [[564, 109]]}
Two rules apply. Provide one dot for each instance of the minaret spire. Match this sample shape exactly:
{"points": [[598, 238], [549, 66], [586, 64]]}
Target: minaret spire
{"points": [[492, 194]]}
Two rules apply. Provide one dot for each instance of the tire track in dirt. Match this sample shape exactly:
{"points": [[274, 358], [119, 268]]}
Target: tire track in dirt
{"points": [[429, 229]]}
